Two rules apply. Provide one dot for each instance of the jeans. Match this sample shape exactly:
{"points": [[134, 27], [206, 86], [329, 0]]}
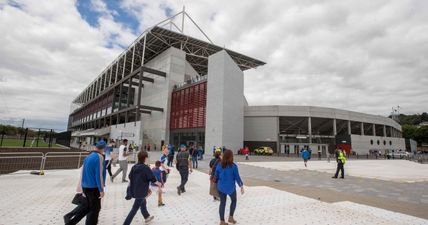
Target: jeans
{"points": [[340, 167], [223, 198], [123, 166], [170, 160], [139, 203], [195, 161], [91, 211], [184, 174]]}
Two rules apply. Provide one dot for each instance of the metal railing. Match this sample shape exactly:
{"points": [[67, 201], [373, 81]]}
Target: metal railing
{"points": [[14, 161], [419, 158], [37, 161]]}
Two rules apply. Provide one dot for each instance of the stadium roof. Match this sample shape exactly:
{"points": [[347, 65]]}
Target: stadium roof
{"points": [[157, 39], [197, 51]]}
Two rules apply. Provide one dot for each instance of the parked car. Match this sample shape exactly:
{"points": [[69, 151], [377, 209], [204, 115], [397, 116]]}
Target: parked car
{"points": [[263, 151], [397, 155]]}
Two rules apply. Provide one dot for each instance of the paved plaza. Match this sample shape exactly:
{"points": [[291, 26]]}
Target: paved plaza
{"points": [[30, 199], [388, 170]]}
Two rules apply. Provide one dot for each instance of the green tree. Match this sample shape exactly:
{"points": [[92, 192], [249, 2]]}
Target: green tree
{"points": [[409, 131]]}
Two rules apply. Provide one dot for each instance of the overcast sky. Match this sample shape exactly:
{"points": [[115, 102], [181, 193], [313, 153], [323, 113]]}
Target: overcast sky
{"points": [[365, 56]]}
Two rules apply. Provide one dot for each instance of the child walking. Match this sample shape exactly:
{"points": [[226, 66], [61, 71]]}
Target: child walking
{"points": [[159, 177], [140, 178]]}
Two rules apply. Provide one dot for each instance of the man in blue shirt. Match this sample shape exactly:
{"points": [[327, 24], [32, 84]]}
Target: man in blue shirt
{"points": [[92, 184]]}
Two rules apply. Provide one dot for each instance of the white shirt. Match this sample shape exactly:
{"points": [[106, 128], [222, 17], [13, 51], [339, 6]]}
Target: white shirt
{"points": [[121, 150]]}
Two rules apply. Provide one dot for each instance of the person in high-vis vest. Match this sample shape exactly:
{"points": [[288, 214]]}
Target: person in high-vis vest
{"points": [[341, 160]]}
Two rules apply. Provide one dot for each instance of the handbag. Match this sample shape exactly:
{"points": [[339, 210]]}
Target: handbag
{"points": [[78, 199]]}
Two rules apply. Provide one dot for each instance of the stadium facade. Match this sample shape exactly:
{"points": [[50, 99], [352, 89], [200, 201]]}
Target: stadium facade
{"points": [[171, 88]]}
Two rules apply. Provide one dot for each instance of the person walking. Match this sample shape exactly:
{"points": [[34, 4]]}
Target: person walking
{"points": [[140, 178], [163, 168], [123, 161], [170, 155], [305, 156], [200, 152], [213, 165], [160, 178], [194, 154], [183, 166], [226, 175], [91, 184], [108, 156], [341, 159]]}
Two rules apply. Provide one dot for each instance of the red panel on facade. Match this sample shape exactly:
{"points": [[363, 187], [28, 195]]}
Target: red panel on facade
{"points": [[188, 106], [102, 103]]}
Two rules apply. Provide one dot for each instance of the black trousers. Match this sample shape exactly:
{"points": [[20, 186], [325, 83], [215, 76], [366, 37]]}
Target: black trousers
{"points": [[91, 210], [340, 167], [108, 167], [170, 159], [184, 174], [70, 218]]}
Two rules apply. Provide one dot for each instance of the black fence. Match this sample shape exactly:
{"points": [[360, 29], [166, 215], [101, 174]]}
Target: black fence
{"points": [[33, 137]]}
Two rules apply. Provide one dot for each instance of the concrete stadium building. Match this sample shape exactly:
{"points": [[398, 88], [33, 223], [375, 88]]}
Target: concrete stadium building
{"points": [[170, 88], [289, 128]]}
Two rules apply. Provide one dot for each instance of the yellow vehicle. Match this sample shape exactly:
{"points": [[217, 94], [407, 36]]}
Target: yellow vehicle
{"points": [[263, 151]]}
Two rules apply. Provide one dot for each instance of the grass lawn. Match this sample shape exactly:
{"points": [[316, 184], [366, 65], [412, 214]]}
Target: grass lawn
{"points": [[19, 143]]}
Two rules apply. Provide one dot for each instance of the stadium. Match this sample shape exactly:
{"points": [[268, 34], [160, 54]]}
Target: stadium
{"points": [[171, 88]]}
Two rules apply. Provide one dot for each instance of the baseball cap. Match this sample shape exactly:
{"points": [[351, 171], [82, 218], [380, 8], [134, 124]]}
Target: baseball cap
{"points": [[101, 144]]}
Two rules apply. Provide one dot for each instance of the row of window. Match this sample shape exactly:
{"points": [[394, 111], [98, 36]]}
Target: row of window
{"points": [[378, 142]]}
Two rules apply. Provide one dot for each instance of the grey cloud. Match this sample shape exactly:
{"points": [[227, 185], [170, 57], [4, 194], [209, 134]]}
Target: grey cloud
{"points": [[364, 56]]}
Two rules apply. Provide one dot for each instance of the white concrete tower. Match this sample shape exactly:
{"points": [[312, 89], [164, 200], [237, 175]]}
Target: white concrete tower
{"points": [[225, 103]]}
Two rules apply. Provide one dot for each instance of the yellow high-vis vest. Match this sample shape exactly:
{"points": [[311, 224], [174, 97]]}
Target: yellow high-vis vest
{"points": [[342, 157]]}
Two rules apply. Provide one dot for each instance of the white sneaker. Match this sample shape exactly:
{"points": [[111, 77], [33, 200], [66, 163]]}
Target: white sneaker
{"points": [[150, 218]]}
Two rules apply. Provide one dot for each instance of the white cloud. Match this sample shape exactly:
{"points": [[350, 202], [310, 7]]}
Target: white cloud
{"points": [[364, 56], [48, 55]]}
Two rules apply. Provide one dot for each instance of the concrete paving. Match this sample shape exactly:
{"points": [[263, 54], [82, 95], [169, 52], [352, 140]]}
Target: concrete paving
{"points": [[388, 170], [31, 199]]}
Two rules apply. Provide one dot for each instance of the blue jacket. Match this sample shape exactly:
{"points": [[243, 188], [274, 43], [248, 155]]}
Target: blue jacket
{"points": [[94, 171], [305, 154], [227, 177], [158, 175], [171, 150], [139, 180]]}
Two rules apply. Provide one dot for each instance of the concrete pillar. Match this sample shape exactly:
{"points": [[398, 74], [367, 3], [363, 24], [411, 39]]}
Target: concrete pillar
{"points": [[334, 127], [310, 129], [362, 128], [225, 103], [278, 147], [384, 130], [349, 127], [374, 129]]}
